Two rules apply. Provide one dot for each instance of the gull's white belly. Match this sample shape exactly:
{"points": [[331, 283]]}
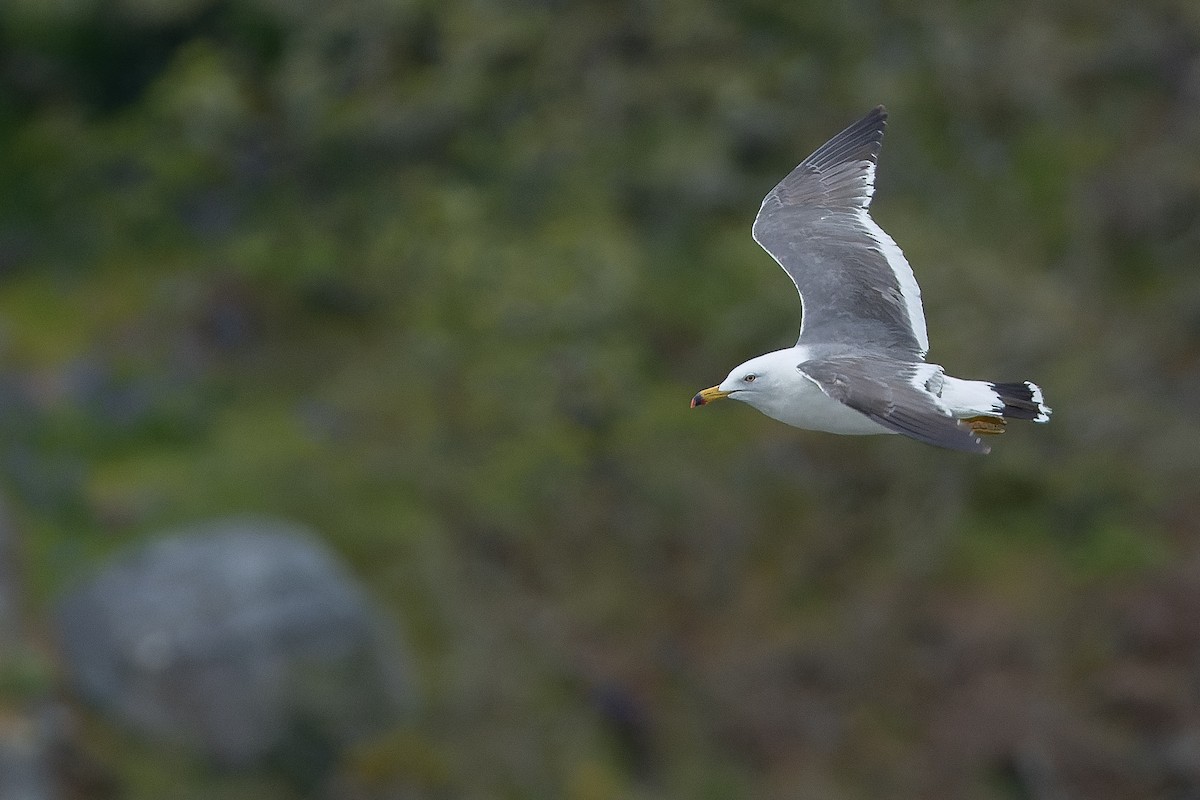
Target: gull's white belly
{"points": [[804, 405]]}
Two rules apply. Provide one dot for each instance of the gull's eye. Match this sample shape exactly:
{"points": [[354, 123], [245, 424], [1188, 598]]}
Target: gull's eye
{"points": [[749, 378]]}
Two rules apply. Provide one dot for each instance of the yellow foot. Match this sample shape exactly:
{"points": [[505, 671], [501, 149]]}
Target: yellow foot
{"points": [[986, 426]]}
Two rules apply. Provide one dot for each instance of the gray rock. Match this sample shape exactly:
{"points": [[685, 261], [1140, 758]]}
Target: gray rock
{"points": [[238, 638]]}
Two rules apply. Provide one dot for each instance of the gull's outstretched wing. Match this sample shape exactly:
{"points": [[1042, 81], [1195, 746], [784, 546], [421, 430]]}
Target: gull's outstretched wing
{"points": [[894, 395], [856, 287]]}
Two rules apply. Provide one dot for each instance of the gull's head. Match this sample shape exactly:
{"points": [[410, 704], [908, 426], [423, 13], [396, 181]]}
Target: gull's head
{"points": [[753, 381]]}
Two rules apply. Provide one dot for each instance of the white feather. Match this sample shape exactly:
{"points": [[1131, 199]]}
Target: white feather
{"points": [[1043, 409], [970, 398], [905, 278], [870, 178]]}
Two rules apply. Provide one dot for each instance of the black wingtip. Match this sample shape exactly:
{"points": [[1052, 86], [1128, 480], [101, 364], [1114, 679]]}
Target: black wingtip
{"points": [[859, 141], [980, 446], [877, 116]]}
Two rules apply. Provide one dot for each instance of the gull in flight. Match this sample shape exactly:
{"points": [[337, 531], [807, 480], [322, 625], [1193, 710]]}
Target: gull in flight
{"points": [[859, 365]]}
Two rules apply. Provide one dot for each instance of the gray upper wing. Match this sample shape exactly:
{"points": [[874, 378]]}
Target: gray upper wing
{"points": [[891, 394], [855, 285]]}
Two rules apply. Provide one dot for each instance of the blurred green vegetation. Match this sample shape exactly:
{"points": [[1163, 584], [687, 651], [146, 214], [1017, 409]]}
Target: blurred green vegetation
{"points": [[439, 280]]}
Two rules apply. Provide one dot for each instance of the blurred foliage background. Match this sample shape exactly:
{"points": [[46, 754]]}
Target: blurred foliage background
{"points": [[439, 279]]}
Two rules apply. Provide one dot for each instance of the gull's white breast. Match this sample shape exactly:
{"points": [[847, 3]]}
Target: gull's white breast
{"points": [[798, 401]]}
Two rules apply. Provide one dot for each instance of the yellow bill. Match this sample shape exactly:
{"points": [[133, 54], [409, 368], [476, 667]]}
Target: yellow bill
{"points": [[707, 396]]}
